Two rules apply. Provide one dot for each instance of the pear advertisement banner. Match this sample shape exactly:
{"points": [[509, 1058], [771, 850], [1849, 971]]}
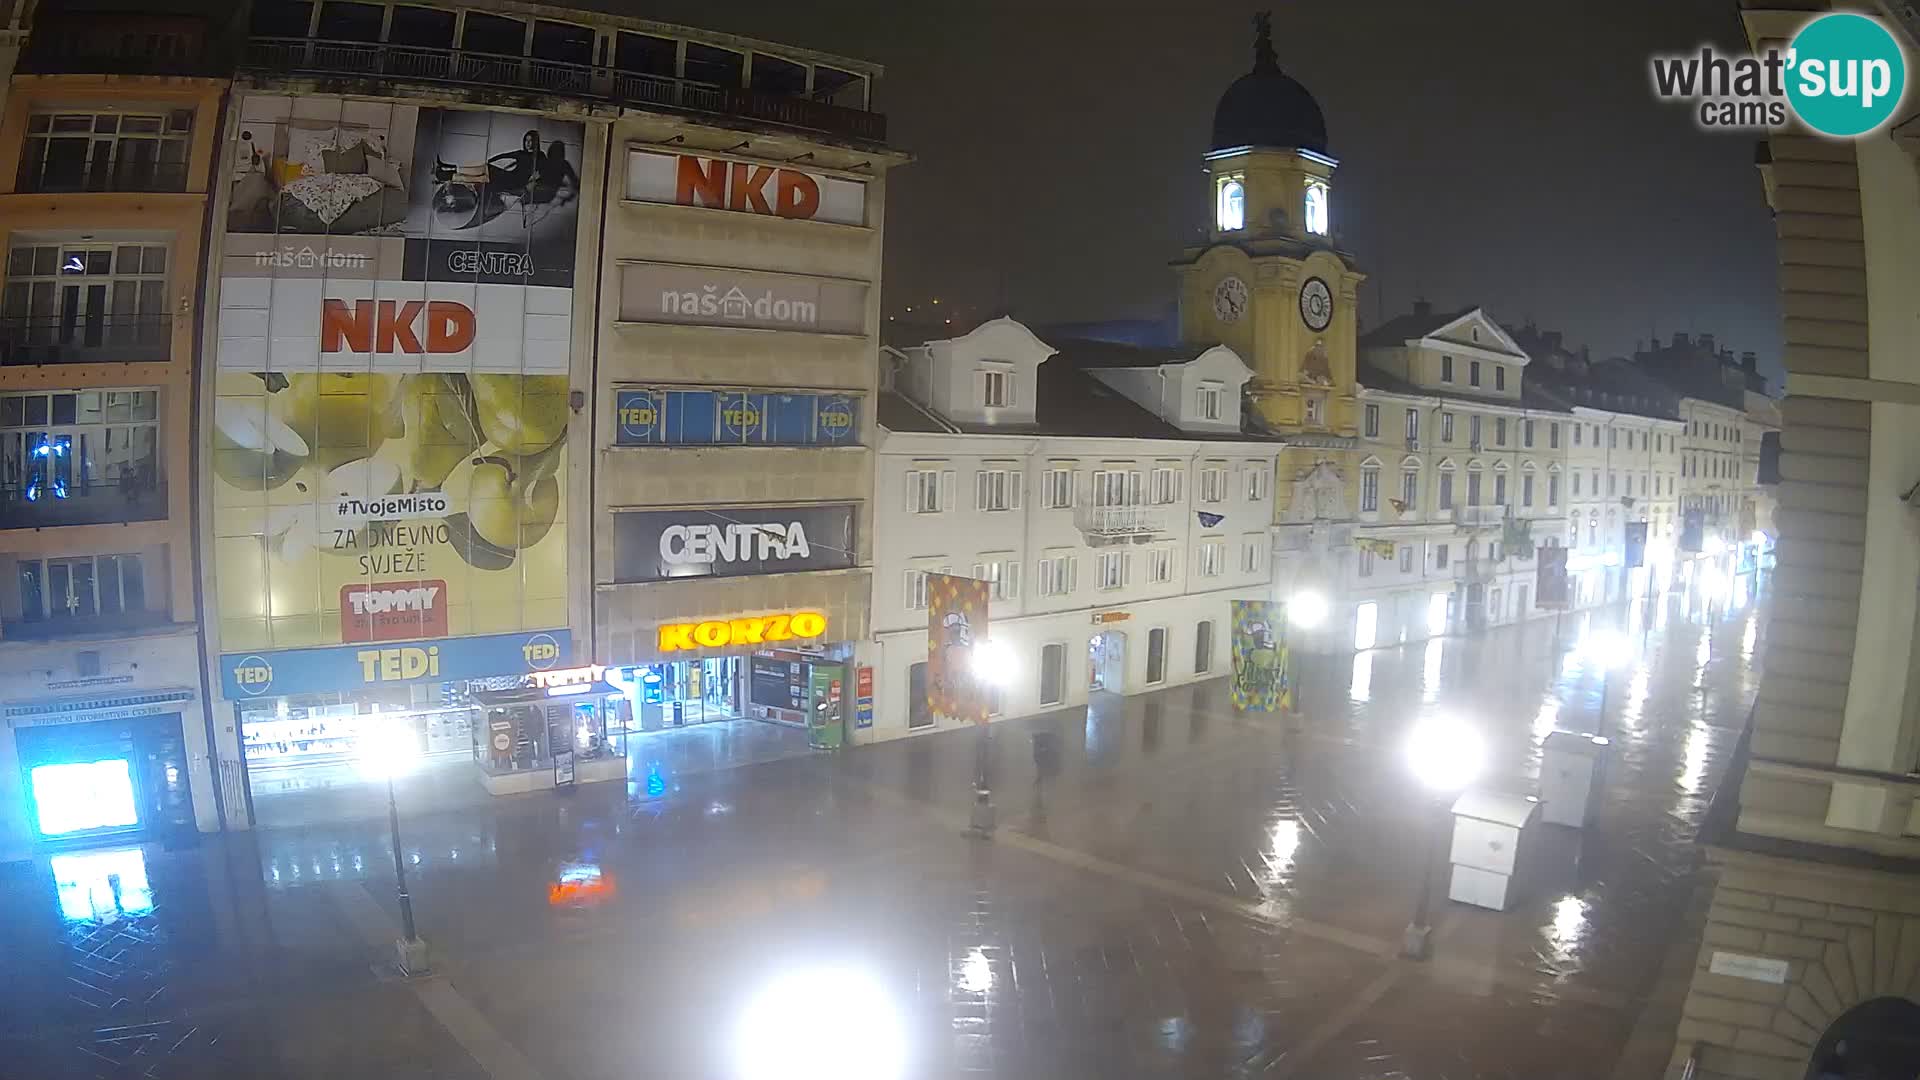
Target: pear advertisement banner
{"points": [[388, 453]]}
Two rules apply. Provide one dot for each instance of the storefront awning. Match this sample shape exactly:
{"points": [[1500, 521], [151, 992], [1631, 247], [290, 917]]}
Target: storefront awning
{"points": [[92, 708]]}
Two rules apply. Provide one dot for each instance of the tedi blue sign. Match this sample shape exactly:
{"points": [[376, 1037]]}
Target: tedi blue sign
{"points": [[391, 663]]}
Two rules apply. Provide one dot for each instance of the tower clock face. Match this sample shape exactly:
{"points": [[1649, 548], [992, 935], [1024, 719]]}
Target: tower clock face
{"points": [[1230, 299], [1316, 304]]}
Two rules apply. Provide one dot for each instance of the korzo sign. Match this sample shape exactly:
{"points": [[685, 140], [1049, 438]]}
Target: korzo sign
{"points": [[652, 545]]}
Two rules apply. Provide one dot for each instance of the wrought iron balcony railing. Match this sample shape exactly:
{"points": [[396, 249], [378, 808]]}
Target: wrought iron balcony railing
{"points": [[121, 339]]}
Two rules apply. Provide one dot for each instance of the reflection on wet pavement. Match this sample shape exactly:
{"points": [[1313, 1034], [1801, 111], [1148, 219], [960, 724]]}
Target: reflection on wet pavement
{"points": [[1176, 890]]}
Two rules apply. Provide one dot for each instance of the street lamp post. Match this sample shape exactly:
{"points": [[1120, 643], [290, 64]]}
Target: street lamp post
{"points": [[1307, 610], [992, 667], [1608, 650], [409, 950], [1444, 755]]}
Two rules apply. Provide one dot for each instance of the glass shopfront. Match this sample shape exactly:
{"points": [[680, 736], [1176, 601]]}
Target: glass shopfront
{"points": [[683, 693], [106, 778]]}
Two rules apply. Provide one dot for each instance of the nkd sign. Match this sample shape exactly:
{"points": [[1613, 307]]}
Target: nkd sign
{"points": [[744, 187], [654, 545], [707, 296]]}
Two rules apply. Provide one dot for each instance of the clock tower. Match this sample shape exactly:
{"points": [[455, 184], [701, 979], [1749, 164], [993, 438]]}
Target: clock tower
{"points": [[1270, 283]]}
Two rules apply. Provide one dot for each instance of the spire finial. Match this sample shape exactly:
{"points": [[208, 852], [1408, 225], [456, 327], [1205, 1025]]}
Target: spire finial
{"points": [[1263, 54]]}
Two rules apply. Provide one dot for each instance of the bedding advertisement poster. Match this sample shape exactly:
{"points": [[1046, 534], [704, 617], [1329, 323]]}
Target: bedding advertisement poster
{"points": [[391, 398]]}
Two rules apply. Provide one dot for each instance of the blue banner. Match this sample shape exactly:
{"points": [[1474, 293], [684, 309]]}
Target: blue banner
{"points": [[391, 663], [658, 417]]}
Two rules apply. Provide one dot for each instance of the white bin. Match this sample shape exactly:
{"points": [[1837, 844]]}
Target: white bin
{"points": [[1572, 768], [1489, 828]]}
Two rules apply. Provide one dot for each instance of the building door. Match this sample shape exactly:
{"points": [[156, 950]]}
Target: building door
{"points": [[1203, 644], [1366, 625], [918, 714], [1156, 656], [1107, 661], [1053, 673], [1873, 1039]]}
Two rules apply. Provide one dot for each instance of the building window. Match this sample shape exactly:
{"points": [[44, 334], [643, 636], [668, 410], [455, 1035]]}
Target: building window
{"points": [[1160, 565], [1613, 438], [1253, 551], [1365, 564], [84, 588], [1167, 486], [1446, 491], [1203, 647], [1207, 401], [1576, 484], [1410, 488], [1413, 429], [1057, 574], [996, 489], [1316, 208], [1373, 421], [1499, 489], [929, 491], [996, 388], [1473, 373], [1473, 487], [1526, 490], [1473, 432], [1256, 481], [1499, 431], [1446, 428], [1113, 569], [107, 151], [1369, 490], [1406, 558], [1212, 558], [1499, 376], [87, 302], [1317, 409], [1553, 436], [1611, 478], [1231, 213], [1116, 487], [1213, 484], [1056, 488], [1446, 368], [915, 586], [1526, 434], [80, 457], [1004, 574], [1578, 430], [1553, 490], [1440, 555]]}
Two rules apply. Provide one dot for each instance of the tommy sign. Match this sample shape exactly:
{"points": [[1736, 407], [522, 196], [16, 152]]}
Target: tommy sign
{"points": [[745, 187], [708, 296], [653, 545]]}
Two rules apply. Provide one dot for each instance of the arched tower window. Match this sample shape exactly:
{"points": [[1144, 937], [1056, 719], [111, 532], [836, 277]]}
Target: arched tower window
{"points": [[1232, 211], [1316, 208]]}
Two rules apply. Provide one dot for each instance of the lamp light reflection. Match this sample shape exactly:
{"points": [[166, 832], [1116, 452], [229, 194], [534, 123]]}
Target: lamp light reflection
{"points": [[779, 1034]]}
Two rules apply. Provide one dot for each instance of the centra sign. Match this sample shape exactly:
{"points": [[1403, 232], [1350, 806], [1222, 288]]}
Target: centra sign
{"points": [[756, 630]]}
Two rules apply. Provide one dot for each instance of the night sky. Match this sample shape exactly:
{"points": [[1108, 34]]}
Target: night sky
{"points": [[1514, 157]]}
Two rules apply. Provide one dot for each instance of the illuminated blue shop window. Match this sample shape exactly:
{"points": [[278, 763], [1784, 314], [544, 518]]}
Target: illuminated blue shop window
{"points": [[79, 796]]}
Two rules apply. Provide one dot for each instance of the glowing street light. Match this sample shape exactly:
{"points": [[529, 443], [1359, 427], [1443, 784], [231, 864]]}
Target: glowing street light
{"points": [[1715, 547], [1607, 650], [779, 1036], [1307, 609], [991, 664], [1445, 755]]}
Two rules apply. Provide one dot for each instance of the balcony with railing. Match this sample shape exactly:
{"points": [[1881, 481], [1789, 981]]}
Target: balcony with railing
{"points": [[1122, 523], [1479, 517], [413, 63], [82, 339], [102, 171], [31, 503], [118, 43]]}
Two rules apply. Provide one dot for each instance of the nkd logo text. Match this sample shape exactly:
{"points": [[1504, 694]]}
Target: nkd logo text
{"points": [[1842, 76]]}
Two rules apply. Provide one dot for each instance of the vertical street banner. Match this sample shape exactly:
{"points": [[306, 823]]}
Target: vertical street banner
{"points": [[391, 389], [956, 620], [1261, 679], [1636, 541], [1550, 579]]}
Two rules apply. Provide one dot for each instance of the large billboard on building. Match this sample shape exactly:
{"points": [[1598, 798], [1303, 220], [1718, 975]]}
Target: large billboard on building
{"points": [[956, 622], [655, 545], [717, 296], [1262, 681], [391, 394], [744, 187]]}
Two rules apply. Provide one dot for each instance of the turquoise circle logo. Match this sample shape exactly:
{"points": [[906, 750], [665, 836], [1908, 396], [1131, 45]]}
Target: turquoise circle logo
{"points": [[1846, 75]]}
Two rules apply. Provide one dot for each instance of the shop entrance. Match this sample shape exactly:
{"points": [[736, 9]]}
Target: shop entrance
{"points": [[110, 778], [1107, 661], [687, 692]]}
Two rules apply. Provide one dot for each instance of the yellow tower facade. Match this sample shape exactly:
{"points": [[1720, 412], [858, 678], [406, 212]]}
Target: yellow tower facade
{"points": [[1272, 284]]}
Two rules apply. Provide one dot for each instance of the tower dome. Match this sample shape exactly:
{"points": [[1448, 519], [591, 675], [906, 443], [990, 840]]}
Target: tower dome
{"points": [[1266, 106]]}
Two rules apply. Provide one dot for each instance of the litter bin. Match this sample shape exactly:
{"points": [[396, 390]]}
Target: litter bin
{"points": [[1572, 765], [1489, 829]]}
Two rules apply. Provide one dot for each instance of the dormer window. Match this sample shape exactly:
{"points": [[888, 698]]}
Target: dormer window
{"points": [[1316, 208], [1207, 401], [996, 387], [1231, 212]]}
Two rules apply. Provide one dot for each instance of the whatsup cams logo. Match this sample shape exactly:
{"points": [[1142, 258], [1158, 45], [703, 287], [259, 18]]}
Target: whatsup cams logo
{"points": [[1842, 75]]}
